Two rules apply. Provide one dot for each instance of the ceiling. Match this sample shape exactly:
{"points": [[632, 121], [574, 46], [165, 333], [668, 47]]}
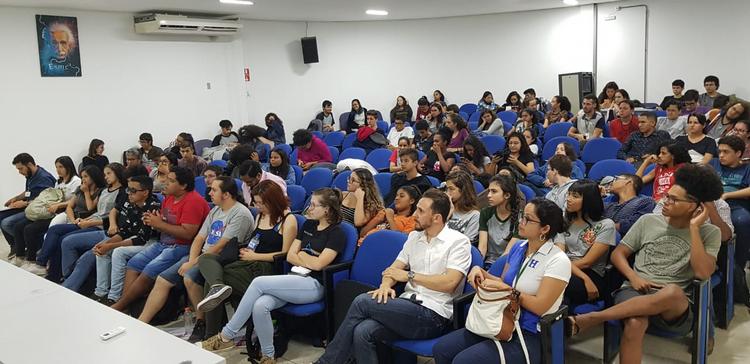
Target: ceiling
{"points": [[308, 10]]}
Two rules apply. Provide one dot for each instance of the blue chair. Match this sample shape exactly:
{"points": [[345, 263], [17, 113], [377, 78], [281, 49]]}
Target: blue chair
{"points": [[265, 153], [293, 157], [341, 180], [200, 185], [331, 277], [508, 116], [493, 143], [660, 113], [316, 178], [348, 141], [318, 134], [599, 149], [239, 184], [468, 109], [722, 283], [434, 181], [610, 167], [354, 153], [285, 147], [383, 126], [219, 163], [474, 117], [649, 105], [473, 125], [200, 145], [581, 166], [464, 115], [507, 126], [298, 173], [334, 139], [380, 159], [383, 180], [478, 187], [380, 116], [551, 144], [159, 196], [605, 131], [420, 154], [527, 191], [334, 153], [648, 188], [557, 130], [342, 120]]}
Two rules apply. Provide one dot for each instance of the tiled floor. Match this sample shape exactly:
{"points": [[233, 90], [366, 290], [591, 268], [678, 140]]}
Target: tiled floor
{"points": [[731, 345]]}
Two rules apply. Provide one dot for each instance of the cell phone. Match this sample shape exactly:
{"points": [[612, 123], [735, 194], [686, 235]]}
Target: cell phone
{"points": [[110, 334]]}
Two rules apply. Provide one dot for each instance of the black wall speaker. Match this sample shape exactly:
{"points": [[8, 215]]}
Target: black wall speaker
{"points": [[309, 50]]}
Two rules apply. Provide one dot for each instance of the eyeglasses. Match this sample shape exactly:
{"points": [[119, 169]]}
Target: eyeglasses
{"points": [[525, 220], [164, 162], [131, 191], [352, 180], [669, 199]]}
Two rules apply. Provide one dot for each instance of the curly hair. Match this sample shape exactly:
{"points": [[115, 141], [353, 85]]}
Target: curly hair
{"points": [[373, 201], [700, 182]]}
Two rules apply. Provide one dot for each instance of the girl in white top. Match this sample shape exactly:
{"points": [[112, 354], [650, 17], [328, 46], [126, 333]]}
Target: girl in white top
{"points": [[68, 182], [536, 270], [465, 213]]}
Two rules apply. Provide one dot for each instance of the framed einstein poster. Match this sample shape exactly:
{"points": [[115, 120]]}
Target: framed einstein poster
{"points": [[59, 49]]}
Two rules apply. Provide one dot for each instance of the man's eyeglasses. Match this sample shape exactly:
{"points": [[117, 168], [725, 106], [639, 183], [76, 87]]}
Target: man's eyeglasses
{"points": [[131, 191], [669, 199]]}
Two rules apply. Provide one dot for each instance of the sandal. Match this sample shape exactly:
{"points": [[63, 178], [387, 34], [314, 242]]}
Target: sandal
{"points": [[571, 327]]}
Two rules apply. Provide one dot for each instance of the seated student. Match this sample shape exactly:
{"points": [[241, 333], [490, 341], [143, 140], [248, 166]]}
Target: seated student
{"points": [[439, 98], [559, 172], [540, 284], [723, 123], [251, 173], [673, 123], [707, 99], [409, 175], [735, 178], [436, 117], [586, 242], [626, 122], [513, 102], [362, 205], [311, 152], [166, 161], [209, 175], [95, 155], [656, 290], [182, 214], [606, 98], [394, 162], [675, 97], [191, 161], [489, 124], [369, 137], [423, 138], [690, 104], [356, 117], [559, 111], [76, 244], [465, 216], [320, 241], [452, 109], [589, 122], [326, 118], [183, 139], [133, 160], [701, 147], [630, 205], [278, 164], [528, 119], [498, 222], [537, 179], [614, 110], [254, 136], [644, 141], [438, 161], [423, 108], [531, 139], [76, 218], [401, 111], [126, 222], [227, 225], [533, 103], [487, 102], [516, 154], [274, 129], [476, 159], [227, 136], [741, 129], [237, 156], [459, 132], [671, 157], [274, 233], [399, 131], [431, 286], [401, 216]]}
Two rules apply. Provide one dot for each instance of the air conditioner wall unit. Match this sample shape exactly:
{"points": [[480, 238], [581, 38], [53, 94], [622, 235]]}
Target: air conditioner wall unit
{"points": [[182, 24]]}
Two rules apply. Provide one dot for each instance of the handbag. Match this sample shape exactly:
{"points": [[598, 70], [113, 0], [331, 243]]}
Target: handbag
{"points": [[37, 208]]}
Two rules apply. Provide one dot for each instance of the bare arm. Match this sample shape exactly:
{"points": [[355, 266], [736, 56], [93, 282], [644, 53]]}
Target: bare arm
{"points": [[592, 256], [739, 194], [549, 290], [706, 158], [289, 235], [482, 245], [317, 263]]}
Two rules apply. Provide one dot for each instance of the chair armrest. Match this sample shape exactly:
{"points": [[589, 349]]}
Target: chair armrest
{"points": [[460, 304], [553, 335], [279, 260], [547, 320], [329, 271]]}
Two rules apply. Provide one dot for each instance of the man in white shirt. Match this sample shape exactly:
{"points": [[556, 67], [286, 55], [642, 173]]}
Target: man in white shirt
{"points": [[560, 168], [433, 263], [673, 123]]}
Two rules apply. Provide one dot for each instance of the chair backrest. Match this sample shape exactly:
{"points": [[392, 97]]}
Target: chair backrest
{"points": [[293, 157], [648, 188], [476, 261], [200, 144], [551, 144], [379, 159], [493, 143], [610, 167], [353, 152], [317, 178], [478, 187], [421, 154], [473, 125], [334, 153], [377, 252], [582, 166], [474, 117], [297, 196], [285, 147], [556, 130], [342, 120], [660, 113], [318, 134], [434, 181], [298, 173], [507, 127], [340, 181], [508, 116], [200, 185], [300, 221], [468, 109], [599, 149], [527, 191], [383, 180], [219, 163], [464, 115], [348, 141], [380, 116], [334, 139], [352, 236], [383, 126], [239, 185]]}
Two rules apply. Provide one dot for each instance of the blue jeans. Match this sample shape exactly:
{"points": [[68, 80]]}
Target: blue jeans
{"points": [[110, 270], [266, 294], [157, 258], [50, 252], [9, 219], [464, 347], [73, 246], [368, 322], [741, 222]]}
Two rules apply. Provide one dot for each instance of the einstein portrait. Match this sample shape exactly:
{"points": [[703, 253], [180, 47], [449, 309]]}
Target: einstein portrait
{"points": [[59, 54]]}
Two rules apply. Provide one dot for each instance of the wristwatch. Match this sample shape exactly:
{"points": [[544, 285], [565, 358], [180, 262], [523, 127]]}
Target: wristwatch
{"points": [[410, 275]]}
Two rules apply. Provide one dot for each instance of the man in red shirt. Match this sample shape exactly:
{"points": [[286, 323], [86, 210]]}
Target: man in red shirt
{"points": [[625, 124], [182, 214]]}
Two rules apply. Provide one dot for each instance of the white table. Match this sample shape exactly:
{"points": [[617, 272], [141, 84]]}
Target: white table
{"points": [[41, 322]]}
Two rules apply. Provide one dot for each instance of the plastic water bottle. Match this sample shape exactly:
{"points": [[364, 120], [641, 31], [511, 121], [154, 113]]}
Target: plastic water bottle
{"points": [[187, 317]]}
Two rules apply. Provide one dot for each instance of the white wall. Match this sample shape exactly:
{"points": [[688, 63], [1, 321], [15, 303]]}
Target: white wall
{"points": [[130, 84]]}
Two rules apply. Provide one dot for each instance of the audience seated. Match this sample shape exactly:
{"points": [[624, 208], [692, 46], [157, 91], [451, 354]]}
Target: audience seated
{"points": [[513, 102], [528, 119], [741, 130], [465, 215], [274, 129], [708, 98], [133, 160], [166, 161], [538, 180], [589, 122], [436, 117], [606, 98], [629, 205], [209, 175], [254, 137], [650, 297], [394, 162], [227, 136], [423, 108], [489, 124], [643, 142], [423, 138], [701, 147], [438, 161], [95, 155], [613, 112], [690, 104], [326, 118], [487, 102], [671, 156], [539, 282], [409, 175], [722, 124], [476, 159], [559, 173], [149, 153], [369, 137], [319, 243], [531, 140], [362, 205], [626, 122], [279, 165], [399, 131], [516, 155], [183, 139], [559, 111], [191, 161], [433, 279], [675, 97], [311, 151], [251, 173], [184, 211], [439, 98], [586, 242], [673, 123], [401, 216], [356, 117], [459, 132], [498, 222], [401, 111]]}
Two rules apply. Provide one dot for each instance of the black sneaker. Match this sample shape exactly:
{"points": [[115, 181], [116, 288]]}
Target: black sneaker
{"points": [[215, 296], [199, 332], [108, 302], [97, 298]]}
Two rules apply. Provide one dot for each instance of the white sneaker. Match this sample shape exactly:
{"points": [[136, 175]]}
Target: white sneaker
{"points": [[19, 262], [36, 269]]}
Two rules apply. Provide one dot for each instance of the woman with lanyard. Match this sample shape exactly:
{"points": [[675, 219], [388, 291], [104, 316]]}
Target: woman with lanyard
{"points": [[535, 268]]}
